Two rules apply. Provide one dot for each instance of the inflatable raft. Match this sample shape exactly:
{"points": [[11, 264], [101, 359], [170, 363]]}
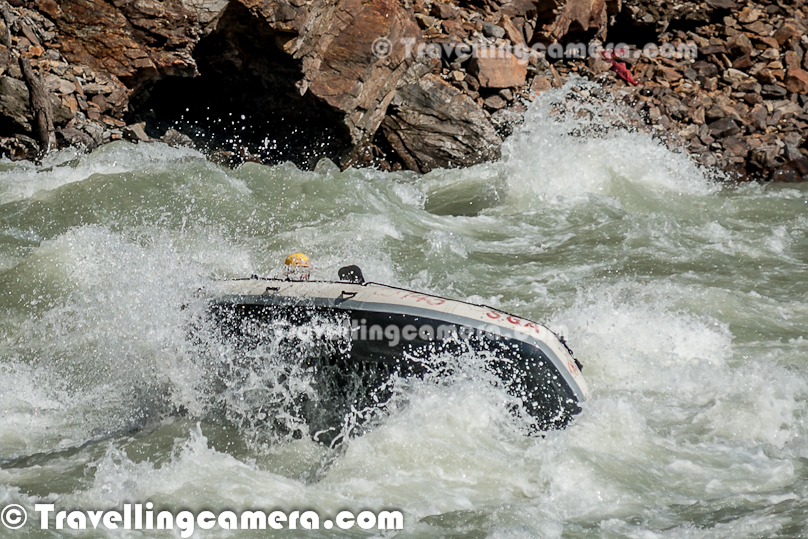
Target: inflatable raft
{"points": [[386, 330]]}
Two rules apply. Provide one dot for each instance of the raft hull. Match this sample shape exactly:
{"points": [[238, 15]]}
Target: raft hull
{"points": [[390, 330]]}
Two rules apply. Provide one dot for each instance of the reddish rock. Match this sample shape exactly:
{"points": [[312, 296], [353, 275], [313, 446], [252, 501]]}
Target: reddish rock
{"points": [[444, 11], [797, 81], [100, 102], [668, 74], [740, 44], [744, 62], [135, 41], [495, 102], [791, 60], [338, 62], [766, 43], [514, 34], [748, 15], [507, 72], [760, 28], [540, 84], [454, 29], [787, 31], [766, 76]]}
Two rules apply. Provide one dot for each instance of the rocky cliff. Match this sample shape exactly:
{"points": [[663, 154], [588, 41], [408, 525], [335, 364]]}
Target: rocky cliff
{"points": [[396, 83]]}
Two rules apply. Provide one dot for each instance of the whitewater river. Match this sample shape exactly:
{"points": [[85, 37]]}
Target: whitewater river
{"points": [[685, 300]]}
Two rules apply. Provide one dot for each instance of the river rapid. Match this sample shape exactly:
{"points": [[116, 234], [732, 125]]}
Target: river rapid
{"points": [[684, 298]]}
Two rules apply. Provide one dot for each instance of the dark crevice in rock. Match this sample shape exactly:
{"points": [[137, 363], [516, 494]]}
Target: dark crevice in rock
{"points": [[244, 104], [626, 29]]}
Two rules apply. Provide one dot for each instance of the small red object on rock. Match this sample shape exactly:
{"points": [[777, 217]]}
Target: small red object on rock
{"points": [[619, 67]]}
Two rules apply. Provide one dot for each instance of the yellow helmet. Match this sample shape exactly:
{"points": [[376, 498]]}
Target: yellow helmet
{"points": [[297, 260]]}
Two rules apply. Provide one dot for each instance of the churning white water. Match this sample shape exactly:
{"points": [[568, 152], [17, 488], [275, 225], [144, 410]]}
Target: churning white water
{"points": [[685, 300]]}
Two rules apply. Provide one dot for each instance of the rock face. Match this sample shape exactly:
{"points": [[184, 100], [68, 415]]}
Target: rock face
{"points": [[314, 66], [334, 45], [134, 41], [394, 83]]}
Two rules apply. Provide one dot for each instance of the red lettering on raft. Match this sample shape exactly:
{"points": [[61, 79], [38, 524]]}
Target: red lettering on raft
{"points": [[427, 299]]}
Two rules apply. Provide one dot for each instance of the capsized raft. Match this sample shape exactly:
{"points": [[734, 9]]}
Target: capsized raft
{"points": [[396, 329]]}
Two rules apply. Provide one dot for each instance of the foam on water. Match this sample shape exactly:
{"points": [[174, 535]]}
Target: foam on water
{"points": [[23, 180], [547, 158], [682, 298]]}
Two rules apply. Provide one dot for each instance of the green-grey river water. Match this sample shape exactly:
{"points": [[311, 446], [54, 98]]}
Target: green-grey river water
{"points": [[685, 299]]}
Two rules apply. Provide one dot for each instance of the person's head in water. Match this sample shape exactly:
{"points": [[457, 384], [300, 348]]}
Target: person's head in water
{"points": [[297, 267]]}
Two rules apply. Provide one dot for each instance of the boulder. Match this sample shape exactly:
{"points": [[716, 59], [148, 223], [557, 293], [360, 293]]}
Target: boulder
{"points": [[339, 66], [329, 44], [432, 124]]}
